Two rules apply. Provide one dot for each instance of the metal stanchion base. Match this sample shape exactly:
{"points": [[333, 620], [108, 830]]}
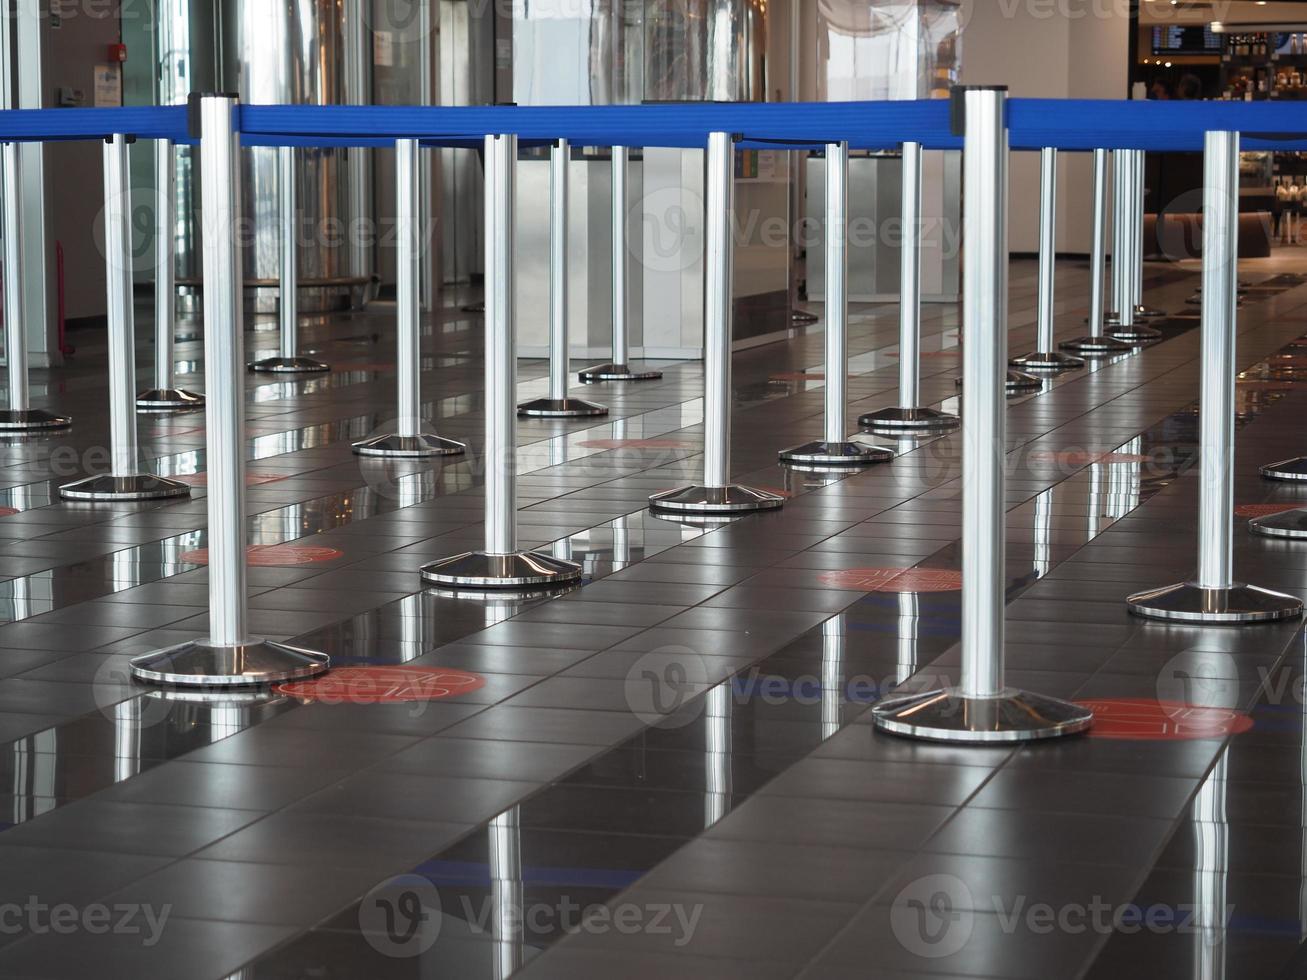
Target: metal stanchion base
{"points": [[138, 486], [479, 570], [25, 420], [1020, 381], [1149, 312], [616, 372], [1287, 524], [948, 715], [1099, 344], [1286, 469], [289, 365], [803, 316], [560, 408], [474, 308], [851, 453], [733, 499], [168, 400], [899, 420], [1135, 333], [412, 447], [1047, 361], [1192, 603], [200, 664]]}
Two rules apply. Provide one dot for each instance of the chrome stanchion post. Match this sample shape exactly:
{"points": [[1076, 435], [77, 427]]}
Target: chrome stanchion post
{"points": [[618, 369], [1214, 596], [125, 480], [1045, 356], [910, 416], [501, 565], [230, 656], [1130, 241], [982, 708], [835, 448], [1142, 310], [1096, 342], [288, 361], [165, 396], [717, 497], [408, 441], [558, 405], [18, 416]]}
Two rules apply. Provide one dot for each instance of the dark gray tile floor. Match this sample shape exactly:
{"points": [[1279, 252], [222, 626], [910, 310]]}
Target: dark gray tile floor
{"points": [[557, 815]]}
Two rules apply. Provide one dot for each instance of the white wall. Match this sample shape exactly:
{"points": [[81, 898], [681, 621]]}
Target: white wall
{"points": [[1038, 51]]}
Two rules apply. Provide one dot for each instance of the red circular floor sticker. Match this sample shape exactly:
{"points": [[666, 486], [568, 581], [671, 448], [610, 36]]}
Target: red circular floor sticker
{"points": [[633, 444], [8, 511], [894, 579], [1150, 720], [1262, 510], [383, 685], [1079, 458], [251, 479], [798, 376], [271, 555]]}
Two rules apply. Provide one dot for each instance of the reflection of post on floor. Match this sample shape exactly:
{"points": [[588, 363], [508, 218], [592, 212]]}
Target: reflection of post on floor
{"points": [[1215, 596], [981, 707], [507, 893], [230, 656], [165, 396]]}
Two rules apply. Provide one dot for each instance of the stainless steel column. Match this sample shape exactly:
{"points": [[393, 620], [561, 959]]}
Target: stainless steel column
{"points": [[1214, 596], [1142, 310], [126, 479], [982, 708], [1046, 356], [910, 416], [557, 405], [717, 497], [835, 449], [18, 416], [501, 565], [230, 656], [165, 396], [408, 440], [1130, 240], [289, 360], [1097, 342], [618, 369]]}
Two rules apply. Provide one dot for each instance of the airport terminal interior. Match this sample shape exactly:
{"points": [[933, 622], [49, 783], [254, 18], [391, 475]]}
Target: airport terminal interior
{"points": [[771, 557]]}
